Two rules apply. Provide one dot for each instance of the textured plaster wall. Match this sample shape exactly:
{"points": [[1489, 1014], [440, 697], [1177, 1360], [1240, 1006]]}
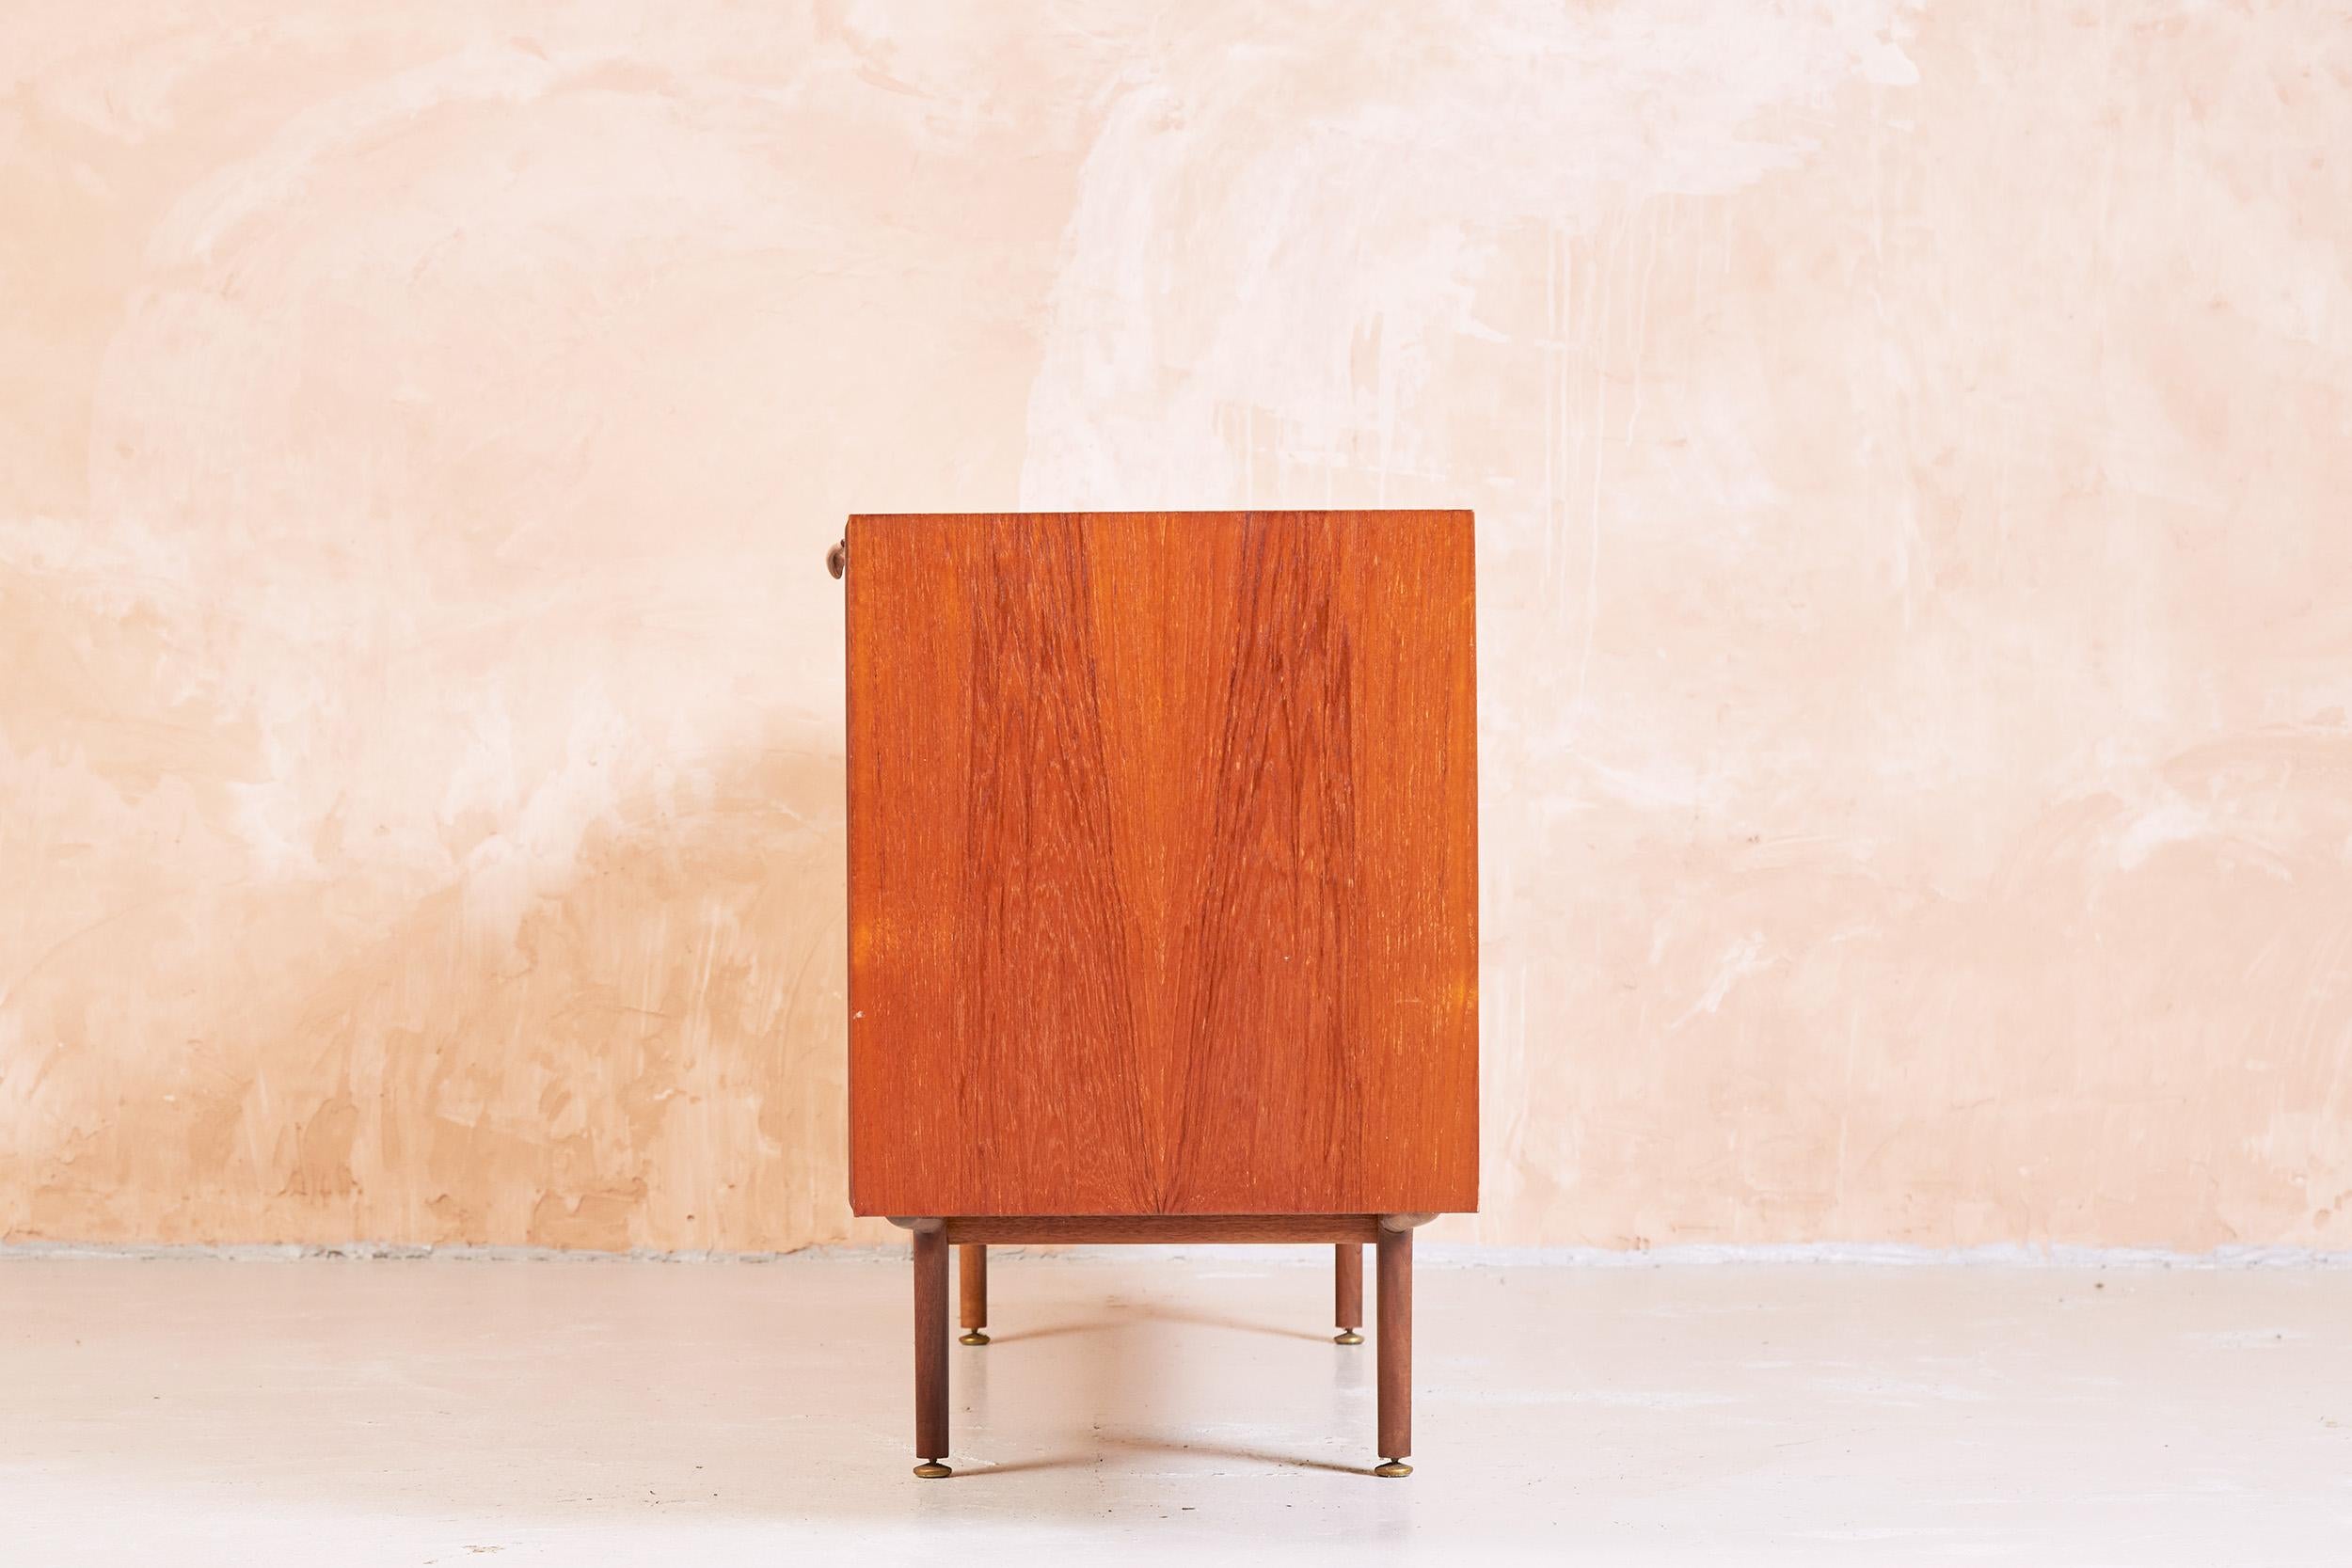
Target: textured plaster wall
{"points": [[1911, 453]]}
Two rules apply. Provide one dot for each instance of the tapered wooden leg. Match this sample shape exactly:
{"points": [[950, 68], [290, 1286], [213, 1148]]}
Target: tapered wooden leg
{"points": [[1395, 1330], [972, 1285], [1347, 1290], [930, 1352]]}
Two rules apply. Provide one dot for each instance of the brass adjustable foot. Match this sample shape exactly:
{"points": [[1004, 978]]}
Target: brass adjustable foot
{"points": [[973, 1337], [1347, 1337], [932, 1469], [1390, 1467]]}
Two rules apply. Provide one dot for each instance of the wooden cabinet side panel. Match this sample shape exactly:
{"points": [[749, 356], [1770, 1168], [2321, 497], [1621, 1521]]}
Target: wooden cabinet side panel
{"points": [[1162, 864]]}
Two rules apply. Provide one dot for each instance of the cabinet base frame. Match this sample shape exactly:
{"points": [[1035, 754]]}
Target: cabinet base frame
{"points": [[1392, 1234]]}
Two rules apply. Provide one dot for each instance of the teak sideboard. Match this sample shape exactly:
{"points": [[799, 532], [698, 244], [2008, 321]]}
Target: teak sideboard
{"points": [[1163, 895]]}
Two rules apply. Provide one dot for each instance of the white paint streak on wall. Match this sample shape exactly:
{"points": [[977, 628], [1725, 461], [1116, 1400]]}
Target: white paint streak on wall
{"points": [[1300, 226], [1740, 959]]}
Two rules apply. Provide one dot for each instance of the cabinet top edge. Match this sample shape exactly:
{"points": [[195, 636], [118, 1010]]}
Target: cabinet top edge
{"points": [[1177, 512]]}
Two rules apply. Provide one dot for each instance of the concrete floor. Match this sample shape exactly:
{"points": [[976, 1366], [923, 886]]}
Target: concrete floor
{"points": [[1144, 1406]]}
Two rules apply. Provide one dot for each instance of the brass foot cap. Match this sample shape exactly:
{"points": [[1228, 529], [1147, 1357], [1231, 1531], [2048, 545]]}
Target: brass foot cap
{"points": [[1347, 1337], [932, 1469], [973, 1337], [1391, 1468]]}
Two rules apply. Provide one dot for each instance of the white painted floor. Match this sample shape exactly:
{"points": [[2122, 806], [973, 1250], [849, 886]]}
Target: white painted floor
{"points": [[1149, 1406]]}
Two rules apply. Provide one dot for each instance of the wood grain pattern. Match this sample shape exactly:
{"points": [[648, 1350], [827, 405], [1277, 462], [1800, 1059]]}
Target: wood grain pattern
{"points": [[1040, 1229], [1162, 864]]}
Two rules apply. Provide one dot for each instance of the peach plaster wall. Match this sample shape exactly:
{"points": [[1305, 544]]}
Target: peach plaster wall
{"points": [[1911, 453]]}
